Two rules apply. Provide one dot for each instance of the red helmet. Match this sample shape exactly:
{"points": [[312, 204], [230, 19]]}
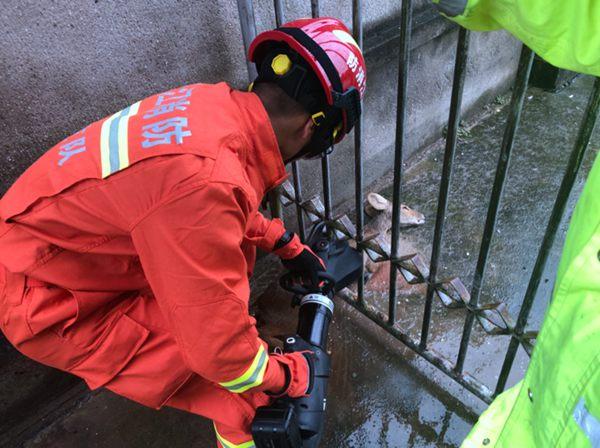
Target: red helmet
{"points": [[324, 46]]}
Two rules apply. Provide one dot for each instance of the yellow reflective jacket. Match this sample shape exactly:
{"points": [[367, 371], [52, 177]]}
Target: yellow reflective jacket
{"points": [[557, 404], [565, 33]]}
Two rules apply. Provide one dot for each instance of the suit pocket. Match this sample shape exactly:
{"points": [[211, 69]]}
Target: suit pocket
{"points": [[49, 308], [112, 353], [12, 287]]}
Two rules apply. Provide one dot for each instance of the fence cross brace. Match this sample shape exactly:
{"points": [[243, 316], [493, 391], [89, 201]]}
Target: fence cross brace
{"points": [[494, 318]]}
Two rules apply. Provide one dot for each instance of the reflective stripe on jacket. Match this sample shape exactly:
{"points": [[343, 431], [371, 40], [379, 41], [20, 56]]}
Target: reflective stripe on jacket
{"points": [[557, 404], [566, 33]]}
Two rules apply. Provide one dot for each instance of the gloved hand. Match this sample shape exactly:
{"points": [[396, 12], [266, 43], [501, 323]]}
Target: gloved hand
{"points": [[298, 258], [299, 373]]}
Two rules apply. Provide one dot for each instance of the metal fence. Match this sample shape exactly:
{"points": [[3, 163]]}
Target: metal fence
{"points": [[494, 318]]}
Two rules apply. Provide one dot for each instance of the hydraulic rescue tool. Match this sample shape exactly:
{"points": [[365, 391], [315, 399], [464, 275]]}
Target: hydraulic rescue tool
{"points": [[298, 422]]}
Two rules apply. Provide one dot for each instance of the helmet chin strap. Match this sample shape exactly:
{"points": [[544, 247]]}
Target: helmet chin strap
{"points": [[313, 149]]}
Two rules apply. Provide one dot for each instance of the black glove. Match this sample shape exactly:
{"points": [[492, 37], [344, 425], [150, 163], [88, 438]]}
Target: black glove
{"points": [[299, 259], [306, 265]]}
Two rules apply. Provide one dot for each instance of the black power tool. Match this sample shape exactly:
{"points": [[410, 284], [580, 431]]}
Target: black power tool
{"points": [[298, 422]]}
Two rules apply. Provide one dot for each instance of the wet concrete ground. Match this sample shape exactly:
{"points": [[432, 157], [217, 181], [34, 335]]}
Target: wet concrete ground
{"points": [[382, 394]]}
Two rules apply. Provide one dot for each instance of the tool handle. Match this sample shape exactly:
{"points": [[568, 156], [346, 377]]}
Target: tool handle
{"points": [[310, 410], [290, 283]]}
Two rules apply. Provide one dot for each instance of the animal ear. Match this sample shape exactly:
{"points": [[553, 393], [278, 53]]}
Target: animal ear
{"points": [[377, 201], [376, 204]]}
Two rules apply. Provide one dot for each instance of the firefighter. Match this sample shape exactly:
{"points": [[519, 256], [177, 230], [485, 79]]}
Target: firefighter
{"points": [[557, 404], [125, 250]]}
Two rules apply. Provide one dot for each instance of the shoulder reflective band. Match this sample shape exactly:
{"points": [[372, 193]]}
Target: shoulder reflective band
{"points": [[313, 48], [252, 377], [588, 423], [114, 140], [227, 444]]}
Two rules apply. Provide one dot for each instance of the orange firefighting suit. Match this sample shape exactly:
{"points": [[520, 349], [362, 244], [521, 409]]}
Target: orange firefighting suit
{"points": [[125, 252]]}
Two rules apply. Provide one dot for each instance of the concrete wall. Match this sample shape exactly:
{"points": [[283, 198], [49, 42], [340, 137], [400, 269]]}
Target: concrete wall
{"points": [[65, 64]]}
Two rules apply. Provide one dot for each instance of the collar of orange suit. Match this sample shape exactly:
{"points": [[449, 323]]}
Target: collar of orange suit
{"points": [[264, 164]]}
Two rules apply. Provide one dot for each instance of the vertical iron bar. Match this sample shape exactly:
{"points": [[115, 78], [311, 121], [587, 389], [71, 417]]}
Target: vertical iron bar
{"points": [[462, 48], [275, 206], [248, 26], [357, 30], [314, 8], [325, 166], [279, 14], [512, 123], [279, 20], [298, 191], [566, 185], [325, 170], [403, 62], [274, 196]]}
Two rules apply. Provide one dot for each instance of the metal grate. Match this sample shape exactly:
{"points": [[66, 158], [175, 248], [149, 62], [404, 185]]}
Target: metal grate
{"points": [[493, 318]]}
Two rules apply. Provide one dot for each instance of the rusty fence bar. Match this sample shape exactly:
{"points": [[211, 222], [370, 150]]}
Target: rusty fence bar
{"points": [[462, 49], [573, 165], [273, 196], [512, 123], [403, 66], [357, 31]]}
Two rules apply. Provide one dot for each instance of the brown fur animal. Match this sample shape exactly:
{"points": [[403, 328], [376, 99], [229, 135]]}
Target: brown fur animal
{"points": [[379, 209]]}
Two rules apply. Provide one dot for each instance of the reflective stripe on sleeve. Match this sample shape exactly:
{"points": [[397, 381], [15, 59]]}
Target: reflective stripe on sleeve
{"points": [[227, 444], [252, 377], [451, 8], [114, 140], [588, 423]]}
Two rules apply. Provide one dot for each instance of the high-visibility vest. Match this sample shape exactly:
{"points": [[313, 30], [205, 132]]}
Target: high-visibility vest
{"points": [[557, 404], [565, 33]]}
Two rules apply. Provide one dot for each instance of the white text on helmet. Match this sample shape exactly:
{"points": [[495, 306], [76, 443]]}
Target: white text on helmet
{"points": [[357, 70]]}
